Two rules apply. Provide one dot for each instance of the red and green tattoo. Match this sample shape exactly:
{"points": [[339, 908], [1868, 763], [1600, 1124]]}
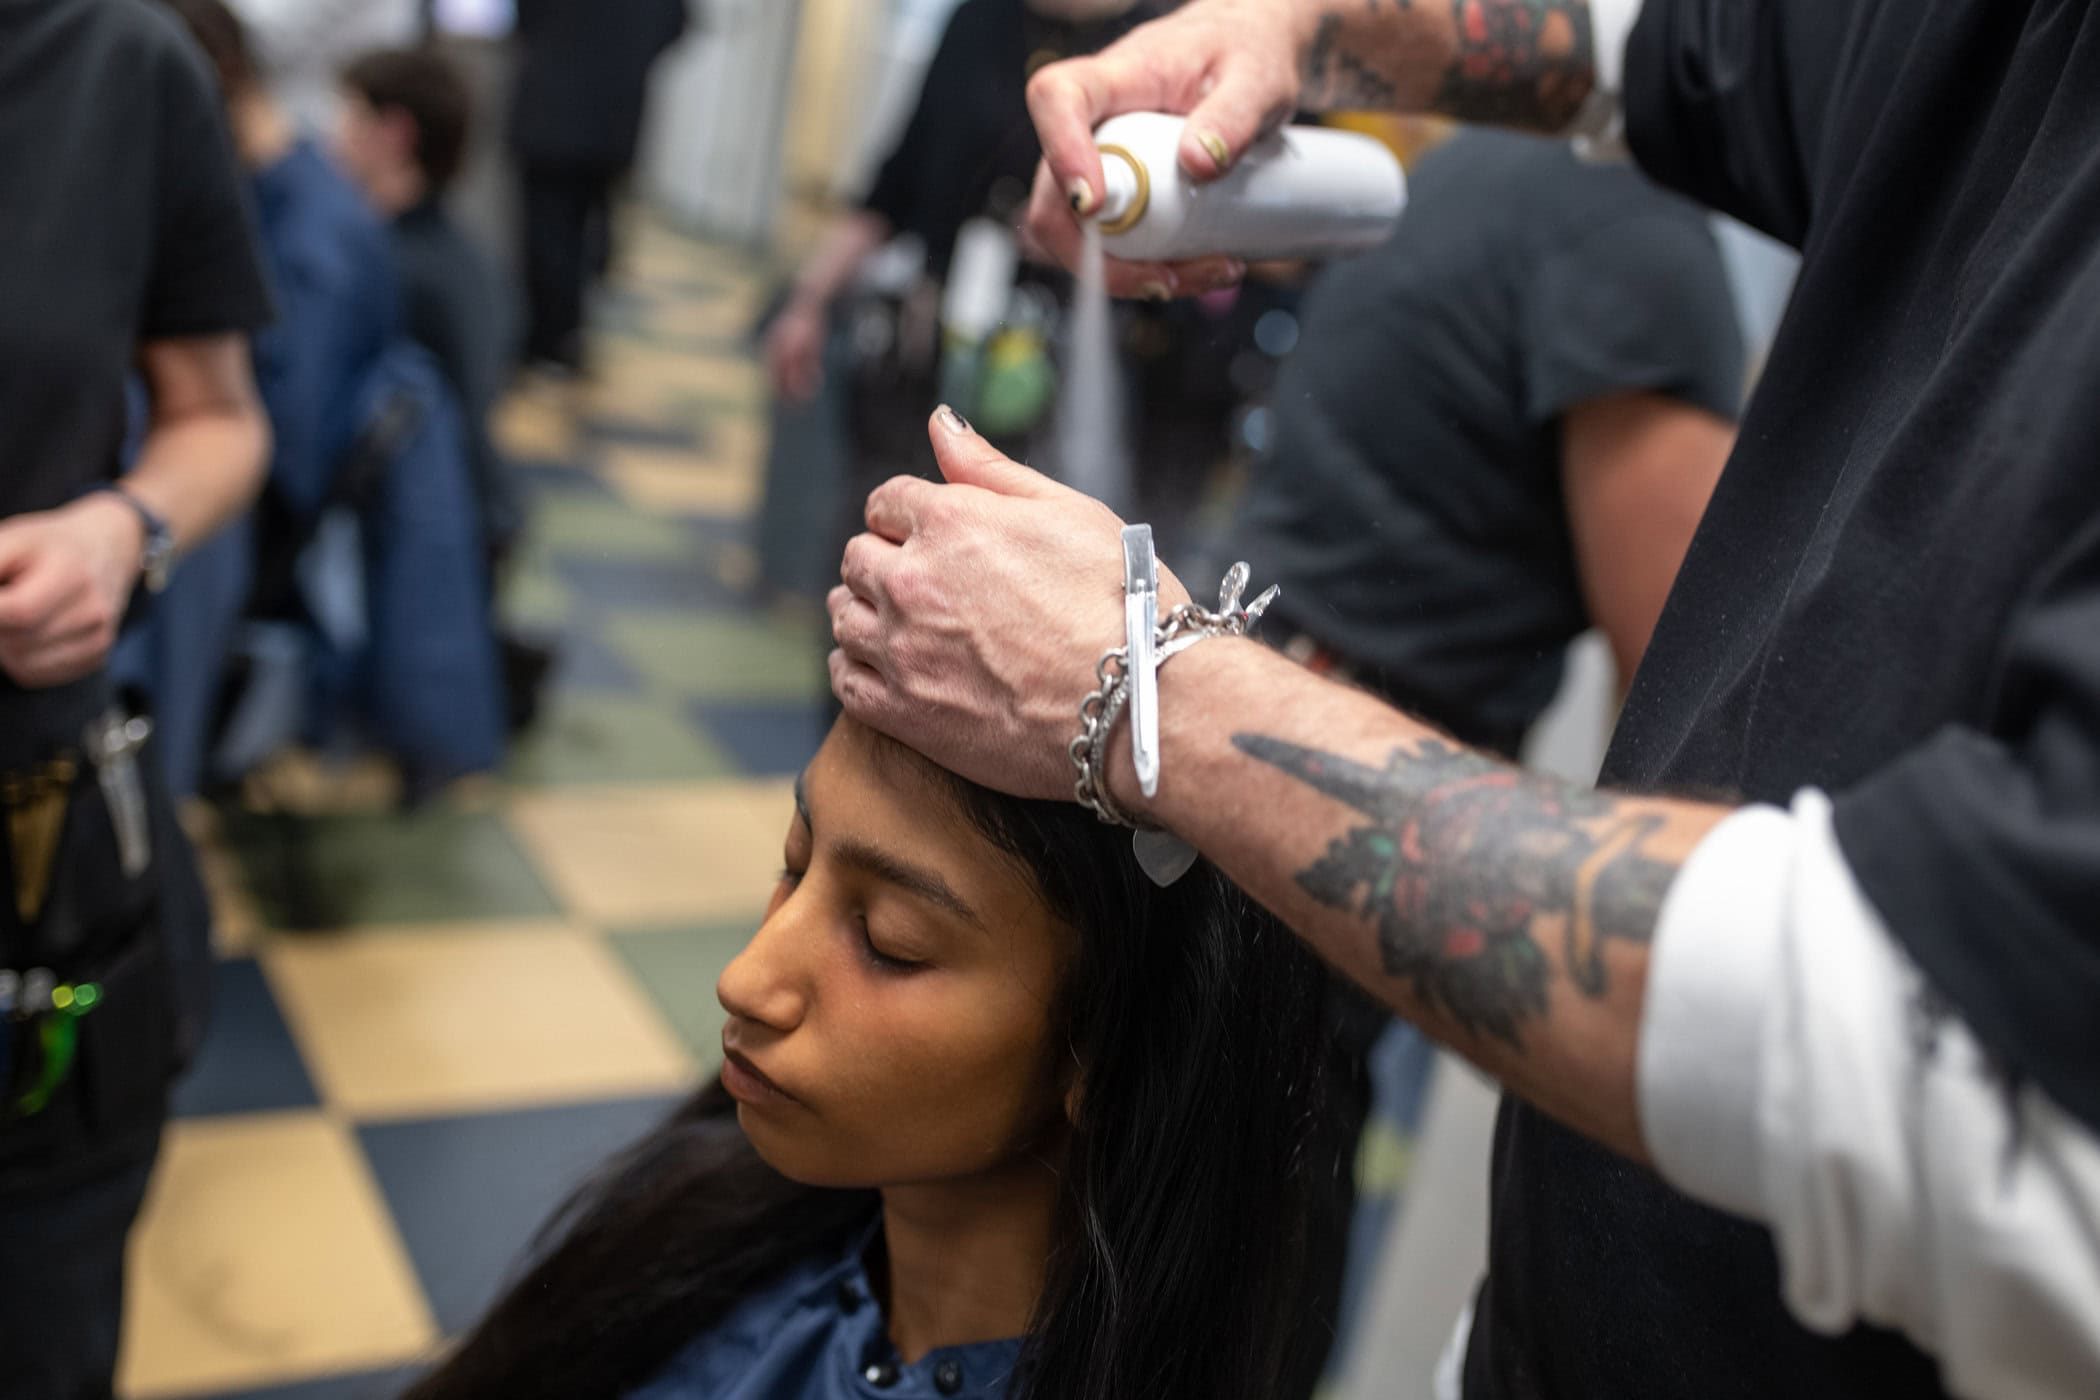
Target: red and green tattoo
{"points": [[1525, 63], [1469, 869]]}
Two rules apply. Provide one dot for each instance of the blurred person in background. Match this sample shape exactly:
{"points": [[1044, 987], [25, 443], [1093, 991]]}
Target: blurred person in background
{"points": [[303, 45], [338, 301], [1497, 430], [964, 156], [576, 123], [403, 132], [124, 245]]}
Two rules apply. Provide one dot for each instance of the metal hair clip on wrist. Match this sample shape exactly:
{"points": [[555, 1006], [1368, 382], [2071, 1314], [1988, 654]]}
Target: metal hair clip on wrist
{"points": [[1129, 678]]}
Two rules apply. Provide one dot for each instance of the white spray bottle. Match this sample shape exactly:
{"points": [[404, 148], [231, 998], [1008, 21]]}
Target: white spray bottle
{"points": [[1300, 192]]}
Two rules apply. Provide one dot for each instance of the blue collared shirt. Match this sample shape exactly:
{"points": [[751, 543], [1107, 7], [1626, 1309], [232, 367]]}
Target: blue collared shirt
{"points": [[817, 1334]]}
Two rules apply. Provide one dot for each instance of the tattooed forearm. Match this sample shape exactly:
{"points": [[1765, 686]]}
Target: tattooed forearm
{"points": [[1527, 63], [1336, 77], [1470, 871]]}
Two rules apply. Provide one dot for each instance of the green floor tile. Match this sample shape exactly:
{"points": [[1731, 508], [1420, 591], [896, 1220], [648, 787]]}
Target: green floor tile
{"points": [[723, 658], [604, 526], [678, 967], [425, 867], [535, 597], [586, 738]]}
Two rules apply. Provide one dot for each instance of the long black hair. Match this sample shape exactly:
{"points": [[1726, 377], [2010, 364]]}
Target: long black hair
{"points": [[1196, 1213]]}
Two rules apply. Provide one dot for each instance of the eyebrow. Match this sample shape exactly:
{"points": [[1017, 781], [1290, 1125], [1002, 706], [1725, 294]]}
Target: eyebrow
{"points": [[912, 879], [873, 860]]}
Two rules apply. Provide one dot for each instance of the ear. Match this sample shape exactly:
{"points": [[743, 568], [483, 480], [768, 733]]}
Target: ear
{"points": [[1075, 1098]]}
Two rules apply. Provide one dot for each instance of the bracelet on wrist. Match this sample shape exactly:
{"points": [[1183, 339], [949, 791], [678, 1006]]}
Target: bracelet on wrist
{"points": [[1164, 857]]}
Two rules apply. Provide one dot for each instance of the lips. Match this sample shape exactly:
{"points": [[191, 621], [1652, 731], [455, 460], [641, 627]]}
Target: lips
{"points": [[746, 1082]]}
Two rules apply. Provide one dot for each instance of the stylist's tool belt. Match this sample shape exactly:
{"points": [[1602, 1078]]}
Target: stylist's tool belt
{"points": [[37, 800], [41, 1009]]}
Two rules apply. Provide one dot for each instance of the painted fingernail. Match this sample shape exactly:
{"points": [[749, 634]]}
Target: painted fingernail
{"points": [[951, 420], [1215, 144], [1082, 196], [1155, 291]]}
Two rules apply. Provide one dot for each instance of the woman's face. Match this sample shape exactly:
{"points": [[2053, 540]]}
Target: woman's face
{"points": [[899, 995]]}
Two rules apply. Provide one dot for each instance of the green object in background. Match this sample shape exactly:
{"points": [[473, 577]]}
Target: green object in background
{"points": [[1017, 383]]}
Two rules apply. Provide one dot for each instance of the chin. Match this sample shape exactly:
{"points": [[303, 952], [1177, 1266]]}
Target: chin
{"points": [[796, 1156]]}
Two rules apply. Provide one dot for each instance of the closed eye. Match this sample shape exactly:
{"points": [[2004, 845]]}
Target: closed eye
{"points": [[881, 961]]}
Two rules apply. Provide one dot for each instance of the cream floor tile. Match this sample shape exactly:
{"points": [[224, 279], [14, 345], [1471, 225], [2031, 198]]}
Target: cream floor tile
{"points": [[632, 376], [266, 1254], [660, 855], [468, 1018], [679, 483], [715, 318]]}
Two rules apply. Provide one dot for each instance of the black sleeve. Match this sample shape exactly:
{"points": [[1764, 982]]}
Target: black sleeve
{"points": [[207, 276], [1981, 849], [1728, 101], [901, 190], [1642, 303]]}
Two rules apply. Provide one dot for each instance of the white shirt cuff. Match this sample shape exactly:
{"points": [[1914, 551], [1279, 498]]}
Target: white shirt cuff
{"points": [[1715, 955], [1599, 128]]}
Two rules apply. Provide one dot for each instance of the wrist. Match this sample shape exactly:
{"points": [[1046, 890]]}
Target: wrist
{"points": [[139, 537], [115, 524], [1186, 681]]}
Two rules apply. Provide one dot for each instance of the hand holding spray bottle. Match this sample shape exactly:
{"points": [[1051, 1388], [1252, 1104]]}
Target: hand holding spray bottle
{"points": [[1299, 192]]}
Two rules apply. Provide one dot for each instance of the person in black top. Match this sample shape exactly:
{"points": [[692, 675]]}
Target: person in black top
{"points": [[402, 135], [1497, 430], [124, 244], [966, 153], [576, 121], [1805, 1095]]}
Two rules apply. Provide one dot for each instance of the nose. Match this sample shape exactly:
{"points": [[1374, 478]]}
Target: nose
{"points": [[769, 983]]}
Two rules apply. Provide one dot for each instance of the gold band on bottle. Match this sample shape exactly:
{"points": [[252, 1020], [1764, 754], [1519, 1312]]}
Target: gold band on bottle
{"points": [[1127, 220]]}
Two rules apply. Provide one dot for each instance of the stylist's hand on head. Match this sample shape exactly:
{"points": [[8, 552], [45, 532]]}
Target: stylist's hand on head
{"points": [[65, 579], [973, 614], [1232, 66]]}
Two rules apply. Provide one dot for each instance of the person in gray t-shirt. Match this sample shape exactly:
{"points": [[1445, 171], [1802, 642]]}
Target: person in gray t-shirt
{"points": [[1498, 430]]}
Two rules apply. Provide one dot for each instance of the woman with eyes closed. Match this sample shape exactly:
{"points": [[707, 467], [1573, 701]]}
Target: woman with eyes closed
{"points": [[998, 1119]]}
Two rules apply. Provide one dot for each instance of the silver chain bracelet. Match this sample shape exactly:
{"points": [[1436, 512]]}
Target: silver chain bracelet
{"points": [[1183, 628]]}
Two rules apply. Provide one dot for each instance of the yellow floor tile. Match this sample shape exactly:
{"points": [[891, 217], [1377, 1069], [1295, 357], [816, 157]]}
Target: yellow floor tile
{"points": [[641, 378], [469, 1018], [681, 484], [265, 1255], [625, 858]]}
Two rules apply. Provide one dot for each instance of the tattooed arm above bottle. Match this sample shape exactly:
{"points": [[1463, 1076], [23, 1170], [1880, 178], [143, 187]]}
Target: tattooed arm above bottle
{"points": [[1238, 68]]}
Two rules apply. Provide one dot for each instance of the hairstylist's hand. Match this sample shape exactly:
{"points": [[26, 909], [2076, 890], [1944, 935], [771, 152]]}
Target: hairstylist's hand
{"points": [[1233, 66], [973, 614], [65, 579]]}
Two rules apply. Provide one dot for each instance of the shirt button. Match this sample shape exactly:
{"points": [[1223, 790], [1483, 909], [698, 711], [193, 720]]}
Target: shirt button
{"points": [[883, 1374], [849, 1298], [947, 1378]]}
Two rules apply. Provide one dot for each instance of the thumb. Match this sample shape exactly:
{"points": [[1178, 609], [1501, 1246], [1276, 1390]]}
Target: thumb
{"points": [[968, 460], [1237, 111]]}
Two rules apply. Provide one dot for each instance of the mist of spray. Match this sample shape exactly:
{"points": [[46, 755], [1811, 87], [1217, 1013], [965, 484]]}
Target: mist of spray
{"points": [[1093, 455]]}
